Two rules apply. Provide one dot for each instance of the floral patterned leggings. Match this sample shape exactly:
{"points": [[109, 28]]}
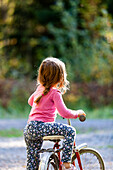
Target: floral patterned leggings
{"points": [[36, 130]]}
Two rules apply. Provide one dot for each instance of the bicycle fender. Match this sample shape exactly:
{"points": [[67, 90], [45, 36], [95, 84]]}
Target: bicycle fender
{"points": [[82, 146], [44, 160]]}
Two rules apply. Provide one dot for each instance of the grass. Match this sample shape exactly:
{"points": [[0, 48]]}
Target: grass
{"points": [[17, 110], [98, 113], [106, 146], [110, 146], [11, 133], [14, 112]]}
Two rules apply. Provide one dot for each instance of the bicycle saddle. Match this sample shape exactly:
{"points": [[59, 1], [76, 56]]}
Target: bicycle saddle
{"points": [[53, 138]]}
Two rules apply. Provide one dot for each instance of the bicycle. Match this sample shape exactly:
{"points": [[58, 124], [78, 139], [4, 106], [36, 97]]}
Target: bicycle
{"points": [[83, 158]]}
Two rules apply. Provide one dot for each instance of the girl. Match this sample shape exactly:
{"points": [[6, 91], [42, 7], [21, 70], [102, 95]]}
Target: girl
{"points": [[44, 102]]}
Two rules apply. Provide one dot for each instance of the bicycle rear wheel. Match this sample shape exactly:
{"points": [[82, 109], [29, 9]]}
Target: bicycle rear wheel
{"points": [[90, 159], [53, 163]]}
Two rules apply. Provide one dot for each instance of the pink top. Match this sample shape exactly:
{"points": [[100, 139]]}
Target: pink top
{"points": [[45, 111]]}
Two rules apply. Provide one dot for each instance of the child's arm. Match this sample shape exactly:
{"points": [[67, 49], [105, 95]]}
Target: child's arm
{"points": [[63, 110], [31, 99]]}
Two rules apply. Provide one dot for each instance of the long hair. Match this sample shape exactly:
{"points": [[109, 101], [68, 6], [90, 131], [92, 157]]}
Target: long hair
{"points": [[52, 72]]}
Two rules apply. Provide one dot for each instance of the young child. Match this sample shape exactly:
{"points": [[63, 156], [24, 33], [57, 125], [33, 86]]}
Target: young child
{"points": [[44, 102]]}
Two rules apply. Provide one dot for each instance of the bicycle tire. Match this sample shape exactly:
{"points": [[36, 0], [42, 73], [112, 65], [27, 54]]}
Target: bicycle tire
{"points": [[90, 159], [53, 163]]}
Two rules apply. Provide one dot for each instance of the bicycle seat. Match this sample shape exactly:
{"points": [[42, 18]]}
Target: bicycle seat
{"points": [[54, 138]]}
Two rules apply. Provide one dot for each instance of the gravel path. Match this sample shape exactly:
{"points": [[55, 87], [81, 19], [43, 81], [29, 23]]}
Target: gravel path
{"points": [[96, 133], [88, 124]]}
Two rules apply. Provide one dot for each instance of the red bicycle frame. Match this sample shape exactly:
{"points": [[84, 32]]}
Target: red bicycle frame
{"points": [[56, 145]]}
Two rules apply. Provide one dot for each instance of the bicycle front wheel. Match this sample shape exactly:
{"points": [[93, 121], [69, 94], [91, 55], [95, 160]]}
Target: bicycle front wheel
{"points": [[90, 159], [53, 163]]}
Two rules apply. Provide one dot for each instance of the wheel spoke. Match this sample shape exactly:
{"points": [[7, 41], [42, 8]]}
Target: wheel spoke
{"points": [[92, 164], [90, 159]]}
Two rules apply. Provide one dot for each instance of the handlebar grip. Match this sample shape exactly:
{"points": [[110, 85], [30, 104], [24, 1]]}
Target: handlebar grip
{"points": [[82, 118]]}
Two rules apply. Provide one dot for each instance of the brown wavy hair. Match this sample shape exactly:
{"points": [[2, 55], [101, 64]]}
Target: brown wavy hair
{"points": [[52, 73]]}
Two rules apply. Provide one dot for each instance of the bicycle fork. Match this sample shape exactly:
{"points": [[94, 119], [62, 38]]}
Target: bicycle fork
{"points": [[76, 151], [79, 160]]}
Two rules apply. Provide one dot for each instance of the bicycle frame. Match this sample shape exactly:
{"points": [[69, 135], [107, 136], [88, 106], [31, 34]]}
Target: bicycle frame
{"points": [[52, 156], [75, 150], [56, 149], [58, 153]]}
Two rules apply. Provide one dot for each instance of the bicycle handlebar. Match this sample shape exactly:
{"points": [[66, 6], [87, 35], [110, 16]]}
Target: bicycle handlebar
{"points": [[82, 118]]}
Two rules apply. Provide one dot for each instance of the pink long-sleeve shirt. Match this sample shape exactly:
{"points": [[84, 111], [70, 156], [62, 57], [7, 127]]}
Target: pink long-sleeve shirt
{"points": [[46, 109]]}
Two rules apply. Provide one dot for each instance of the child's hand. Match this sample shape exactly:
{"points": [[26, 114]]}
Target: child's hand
{"points": [[81, 112]]}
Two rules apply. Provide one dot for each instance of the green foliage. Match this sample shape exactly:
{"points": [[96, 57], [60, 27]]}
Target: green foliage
{"points": [[18, 104], [100, 113], [95, 100], [14, 98], [14, 110], [109, 4], [78, 32]]}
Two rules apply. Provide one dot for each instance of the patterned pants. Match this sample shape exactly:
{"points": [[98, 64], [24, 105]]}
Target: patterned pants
{"points": [[36, 130]]}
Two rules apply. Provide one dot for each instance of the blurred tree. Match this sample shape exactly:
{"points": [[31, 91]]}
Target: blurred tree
{"points": [[109, 6], [78, 32], [81, 40]]}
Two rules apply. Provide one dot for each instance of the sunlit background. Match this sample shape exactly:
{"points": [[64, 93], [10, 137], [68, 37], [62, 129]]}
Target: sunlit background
{"points": [[79, 32]]}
